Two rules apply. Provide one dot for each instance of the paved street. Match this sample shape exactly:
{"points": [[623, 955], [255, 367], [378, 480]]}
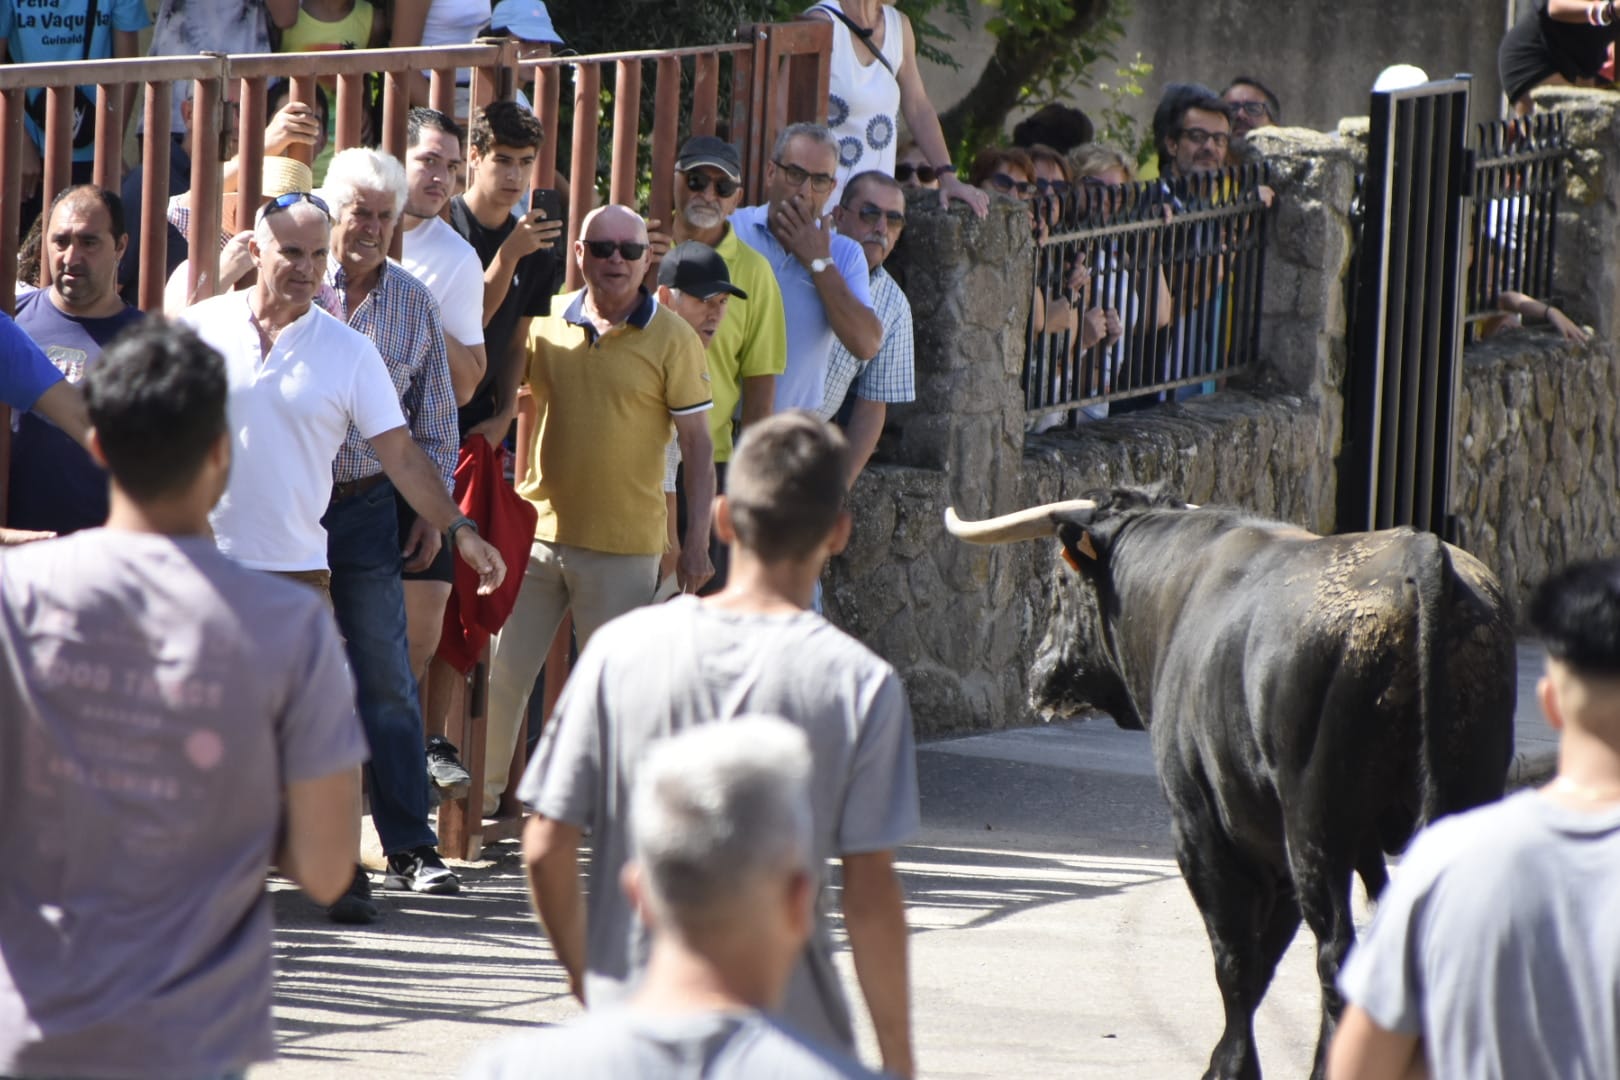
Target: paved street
{"points": [[1053, 935]]}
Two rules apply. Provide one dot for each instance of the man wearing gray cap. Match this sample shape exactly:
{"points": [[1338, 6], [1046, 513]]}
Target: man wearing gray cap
{"points": [[749, 348]]}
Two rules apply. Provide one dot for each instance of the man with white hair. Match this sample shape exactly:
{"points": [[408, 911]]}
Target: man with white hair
{"points": [[610, 370], [379, 298], [722, 881], [300, 382]]}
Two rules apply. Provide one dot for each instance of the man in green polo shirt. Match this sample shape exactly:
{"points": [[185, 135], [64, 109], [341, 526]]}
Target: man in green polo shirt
{"points": [[609, 370], [750, 349]]}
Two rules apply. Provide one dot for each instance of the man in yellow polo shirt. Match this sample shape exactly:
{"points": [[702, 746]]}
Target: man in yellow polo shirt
{"points": [[750, 349], [609, 370]]}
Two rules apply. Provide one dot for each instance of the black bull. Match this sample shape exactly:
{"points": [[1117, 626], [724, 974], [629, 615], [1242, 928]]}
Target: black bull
{"points": [[1311, 702]]}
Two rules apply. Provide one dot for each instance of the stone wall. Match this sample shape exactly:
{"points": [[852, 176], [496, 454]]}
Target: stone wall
{"points": [[1536, 471]]}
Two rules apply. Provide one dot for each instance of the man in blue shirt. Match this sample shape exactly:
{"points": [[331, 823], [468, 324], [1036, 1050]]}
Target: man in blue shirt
{"points": [[826, 291], [30, 381], [54, 485]]}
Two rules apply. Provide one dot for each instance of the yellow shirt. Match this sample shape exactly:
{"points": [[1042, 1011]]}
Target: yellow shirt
{"points": [[310, 34], [605, 405], [751, 340]]}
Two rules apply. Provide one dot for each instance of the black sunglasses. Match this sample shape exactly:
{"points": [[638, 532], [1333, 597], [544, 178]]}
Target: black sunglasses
{"points": [[604, 249], [1003, 182], [1053, 187], [820, 182], [924, 173], [292, 198], [724, 186], [871, 215]]}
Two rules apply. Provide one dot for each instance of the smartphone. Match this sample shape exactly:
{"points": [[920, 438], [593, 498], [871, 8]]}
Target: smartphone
{"points": [[548, 201]]}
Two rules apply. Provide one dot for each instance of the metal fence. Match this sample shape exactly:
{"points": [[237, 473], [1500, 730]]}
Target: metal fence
{"points": [[1174, 274], [1518, 167]]}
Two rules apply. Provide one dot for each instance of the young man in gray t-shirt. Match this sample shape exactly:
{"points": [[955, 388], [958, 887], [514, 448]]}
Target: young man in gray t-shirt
{"points": [[722, 877], [170, 725], [752, 648], [1495, 952]]}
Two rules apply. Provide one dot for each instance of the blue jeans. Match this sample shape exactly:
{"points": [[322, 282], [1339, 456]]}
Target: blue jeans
{"points": [[362, 547]]}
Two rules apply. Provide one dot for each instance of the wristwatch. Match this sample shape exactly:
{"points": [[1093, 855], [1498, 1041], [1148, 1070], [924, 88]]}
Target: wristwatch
{"points": [[818, 265], [462, 522]]}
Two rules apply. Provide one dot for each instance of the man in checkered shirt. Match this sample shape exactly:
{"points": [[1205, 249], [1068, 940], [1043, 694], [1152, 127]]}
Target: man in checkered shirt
{"points": [[873, 212], [377, 297]]}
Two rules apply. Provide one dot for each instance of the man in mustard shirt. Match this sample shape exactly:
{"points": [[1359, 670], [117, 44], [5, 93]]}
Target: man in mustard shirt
{"points": [[609, 370]]}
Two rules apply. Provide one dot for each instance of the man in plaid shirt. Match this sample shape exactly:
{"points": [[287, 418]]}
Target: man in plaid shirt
{"points": [[872, 213], [380, 299]]}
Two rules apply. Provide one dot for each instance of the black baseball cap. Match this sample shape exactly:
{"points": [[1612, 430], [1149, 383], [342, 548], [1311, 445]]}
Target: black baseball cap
{"points": [[697, 270], [708, 150]]}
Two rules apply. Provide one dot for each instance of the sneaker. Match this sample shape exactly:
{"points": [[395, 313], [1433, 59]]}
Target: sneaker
{"points": [[355, 907], [444, 768], [420, 870]]}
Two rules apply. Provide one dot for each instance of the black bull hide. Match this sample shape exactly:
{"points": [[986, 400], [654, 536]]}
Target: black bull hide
{"points": [[1311, 702]]}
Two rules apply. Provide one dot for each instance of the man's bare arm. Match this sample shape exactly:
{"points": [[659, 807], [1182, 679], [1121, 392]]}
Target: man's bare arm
{"points": [[63, 405], [322, 834], [758, 398], [467, 366], [875, 918], [551, 857], [507, 384], [865, 428], [1362, 1050], [697, 459], [855, 324]]}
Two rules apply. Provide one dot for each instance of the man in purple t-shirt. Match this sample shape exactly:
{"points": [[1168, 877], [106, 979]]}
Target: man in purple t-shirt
{"points": [[171, 723], [54, 486]]}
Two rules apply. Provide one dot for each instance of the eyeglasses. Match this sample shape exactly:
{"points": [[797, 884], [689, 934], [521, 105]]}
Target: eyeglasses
{"points": [[292, 198], [820, 182], [1251, 108], [1198, 136], [1053, 187], [924, 173], [1005, 183], [724, 186], [871, 215], [604, 249]]}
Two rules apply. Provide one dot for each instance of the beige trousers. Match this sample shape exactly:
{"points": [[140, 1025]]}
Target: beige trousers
{"points": [[596, 587]]}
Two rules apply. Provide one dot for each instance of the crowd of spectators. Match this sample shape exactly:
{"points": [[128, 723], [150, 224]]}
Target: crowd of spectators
{"points": [[322, 413]]}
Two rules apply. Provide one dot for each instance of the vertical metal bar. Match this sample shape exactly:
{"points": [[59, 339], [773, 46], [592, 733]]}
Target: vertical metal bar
{"points": [[206, 181], [749, 76], [250, 153], [665, 141], [1449, 381], [58, 158], [351, 92], [396, 114], [1423, 381], [626, 131], [546, 84], [1357, 489], [706, 94], [582, 190], [154, 221], [442, 92], [303, 90], [109, 120], [12, 104]]}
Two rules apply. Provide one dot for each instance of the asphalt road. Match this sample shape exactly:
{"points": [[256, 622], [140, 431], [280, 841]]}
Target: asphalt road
{"points": [[1052, 935]]}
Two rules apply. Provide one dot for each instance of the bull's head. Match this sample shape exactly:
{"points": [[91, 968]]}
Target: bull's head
{"points": [[1078, 665]]}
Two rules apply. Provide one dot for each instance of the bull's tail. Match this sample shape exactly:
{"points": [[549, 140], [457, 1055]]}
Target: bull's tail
{"points": [[1433, 582]]}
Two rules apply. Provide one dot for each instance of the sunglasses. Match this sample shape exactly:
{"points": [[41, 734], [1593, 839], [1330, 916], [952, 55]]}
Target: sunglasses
{"points": [[604, 249], [871, 215], [924, 173], [1053, 187], [1251, 108], [820, 182], [1005, 183], [724, 186], [292, 198]]}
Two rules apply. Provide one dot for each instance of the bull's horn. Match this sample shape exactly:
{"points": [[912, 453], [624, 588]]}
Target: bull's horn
{"points": [[1031, 524]]}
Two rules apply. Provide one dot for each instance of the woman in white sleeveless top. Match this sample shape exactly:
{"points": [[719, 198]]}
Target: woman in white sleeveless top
{"points": [[869, 95]]}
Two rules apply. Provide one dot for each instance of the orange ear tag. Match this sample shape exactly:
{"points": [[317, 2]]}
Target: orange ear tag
{"points": [[1085, 549]]}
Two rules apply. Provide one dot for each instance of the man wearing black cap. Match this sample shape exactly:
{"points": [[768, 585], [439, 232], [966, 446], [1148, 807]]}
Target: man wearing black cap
{"points": [[749, 349], [694, 283]]}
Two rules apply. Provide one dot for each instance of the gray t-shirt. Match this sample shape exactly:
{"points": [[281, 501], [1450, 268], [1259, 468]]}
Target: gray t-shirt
{"points": [[624, 1043], [155, 700], [665, 668], [1499, 942]]}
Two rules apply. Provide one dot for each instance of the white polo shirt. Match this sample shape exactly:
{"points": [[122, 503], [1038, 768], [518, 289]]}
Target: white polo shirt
{"points": [[438, 257], [288, 413]]}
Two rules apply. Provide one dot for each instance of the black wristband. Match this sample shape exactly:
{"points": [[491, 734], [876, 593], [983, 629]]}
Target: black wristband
{"points": [[944, 169], [462, 521]]}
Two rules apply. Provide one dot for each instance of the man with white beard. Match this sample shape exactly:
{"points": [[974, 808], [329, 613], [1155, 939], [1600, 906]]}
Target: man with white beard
{"points": [[749, 350]]}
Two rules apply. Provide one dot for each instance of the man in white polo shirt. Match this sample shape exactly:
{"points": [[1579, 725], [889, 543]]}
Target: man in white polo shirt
{"points": [[298, 378]]}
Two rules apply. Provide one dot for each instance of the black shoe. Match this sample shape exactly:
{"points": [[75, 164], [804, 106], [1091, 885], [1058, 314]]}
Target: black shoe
{"points": [[355, 907], [420, 870], [450, 778]]}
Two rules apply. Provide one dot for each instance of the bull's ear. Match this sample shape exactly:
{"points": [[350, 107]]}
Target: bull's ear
{"points": [[1079, 550]]}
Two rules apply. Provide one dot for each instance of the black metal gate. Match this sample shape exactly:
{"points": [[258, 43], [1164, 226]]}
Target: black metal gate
{"points": [[1407, 332]]}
